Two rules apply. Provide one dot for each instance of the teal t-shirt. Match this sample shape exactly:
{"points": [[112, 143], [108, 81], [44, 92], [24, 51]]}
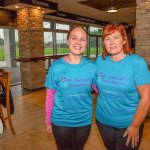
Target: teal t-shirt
{"points": [[118, 96], [73, 99]]}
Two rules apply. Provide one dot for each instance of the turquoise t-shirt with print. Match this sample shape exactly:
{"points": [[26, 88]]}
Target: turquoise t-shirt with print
{"points": [[117, 84], [73, 99]]}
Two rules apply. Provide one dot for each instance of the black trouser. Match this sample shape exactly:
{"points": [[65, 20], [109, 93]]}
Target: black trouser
{"points": [[113, 137], [70, 138]]}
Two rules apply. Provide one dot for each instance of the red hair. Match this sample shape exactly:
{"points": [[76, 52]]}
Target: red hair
{"points": [[110, 29]]}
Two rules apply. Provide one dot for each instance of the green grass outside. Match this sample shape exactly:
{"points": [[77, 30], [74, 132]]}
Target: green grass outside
{"points": [[48, 51], [65, 50], [2, 54]]}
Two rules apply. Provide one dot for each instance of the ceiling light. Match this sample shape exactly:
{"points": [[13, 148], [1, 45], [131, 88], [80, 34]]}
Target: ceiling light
{"points": [[16, 6], [112, 9]]}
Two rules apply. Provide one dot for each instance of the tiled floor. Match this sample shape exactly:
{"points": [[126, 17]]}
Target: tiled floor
{"points": [[30, 128]]}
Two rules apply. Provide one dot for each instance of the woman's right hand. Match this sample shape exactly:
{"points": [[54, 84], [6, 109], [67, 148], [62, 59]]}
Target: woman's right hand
{"points": [[132, 134], [49, 128]]}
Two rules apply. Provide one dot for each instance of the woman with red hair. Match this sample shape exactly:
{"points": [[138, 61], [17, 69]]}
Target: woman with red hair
{"points": [[123, 82]]}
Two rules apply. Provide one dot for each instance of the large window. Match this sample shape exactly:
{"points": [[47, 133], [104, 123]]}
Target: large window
{"points": [[48, 38], [95, 41], [93, 46], [48, 43], [60, 26], [2, 53], [2, 49], [61, 43], [17, 43], [8, 50], [61, 38], [55, 39], [95, 30], [47, 25]]}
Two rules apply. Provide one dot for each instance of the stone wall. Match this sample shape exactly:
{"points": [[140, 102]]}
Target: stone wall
{"points": [[143, 29], [31, 44]]}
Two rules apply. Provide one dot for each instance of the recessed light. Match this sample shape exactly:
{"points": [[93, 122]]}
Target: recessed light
{"points": [[16, 6]]}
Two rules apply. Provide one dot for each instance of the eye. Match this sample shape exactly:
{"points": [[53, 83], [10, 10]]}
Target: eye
{"points": [[107, 39], [116, 37], [83, 39], [73, 38]]}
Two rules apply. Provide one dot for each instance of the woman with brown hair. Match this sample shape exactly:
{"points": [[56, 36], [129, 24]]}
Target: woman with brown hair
{"points": [[69, 99]]}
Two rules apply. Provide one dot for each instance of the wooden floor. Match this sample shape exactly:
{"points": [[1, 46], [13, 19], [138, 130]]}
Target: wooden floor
{"points": [[29, 124]]}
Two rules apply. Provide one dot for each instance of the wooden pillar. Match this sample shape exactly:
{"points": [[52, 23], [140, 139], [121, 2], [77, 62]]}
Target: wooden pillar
{"points": [[31, 44]]}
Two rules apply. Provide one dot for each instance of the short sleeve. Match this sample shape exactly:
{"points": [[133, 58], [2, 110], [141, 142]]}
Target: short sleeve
{"points": [[141, 73], [50, 78]]}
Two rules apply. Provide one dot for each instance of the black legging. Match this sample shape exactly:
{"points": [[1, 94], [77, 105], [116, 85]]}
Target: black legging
{"points": [[70, 138], [113, 137]]}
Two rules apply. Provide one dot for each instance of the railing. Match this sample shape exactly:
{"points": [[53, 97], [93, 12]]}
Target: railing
{"points": [[44, 58]]}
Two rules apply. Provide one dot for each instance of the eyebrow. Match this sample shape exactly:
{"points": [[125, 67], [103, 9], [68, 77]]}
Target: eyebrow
{"points": [[113, 35], [81, 36]]}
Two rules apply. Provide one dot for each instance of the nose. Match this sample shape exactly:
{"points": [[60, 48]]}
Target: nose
{"points": [[78, 41], [111, 41]]}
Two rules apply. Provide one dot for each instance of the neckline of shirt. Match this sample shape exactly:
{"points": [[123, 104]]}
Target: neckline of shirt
{"points": [[69, 64], [118, 61]]}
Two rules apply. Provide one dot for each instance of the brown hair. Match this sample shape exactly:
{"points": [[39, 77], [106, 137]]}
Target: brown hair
{"points": [[111, 28], [75, 28]]}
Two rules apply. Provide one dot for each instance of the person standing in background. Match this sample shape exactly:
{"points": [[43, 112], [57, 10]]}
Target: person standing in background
{"points": [[123, 82], [68, 98]]}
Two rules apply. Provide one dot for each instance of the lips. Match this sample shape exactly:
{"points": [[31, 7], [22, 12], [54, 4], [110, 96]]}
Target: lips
{"points": [[77, 47], [112, 48]]}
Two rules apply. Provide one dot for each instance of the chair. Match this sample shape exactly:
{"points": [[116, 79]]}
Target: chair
{"points": [[5, 77]]}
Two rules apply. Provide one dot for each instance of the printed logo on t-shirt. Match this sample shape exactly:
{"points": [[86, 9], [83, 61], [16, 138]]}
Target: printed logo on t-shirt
{"points": [[76, 82], [64, 80], [112, 79]]}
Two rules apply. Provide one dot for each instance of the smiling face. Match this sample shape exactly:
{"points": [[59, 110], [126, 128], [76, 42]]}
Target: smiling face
{"points": [[114, 43], [77, 41]]}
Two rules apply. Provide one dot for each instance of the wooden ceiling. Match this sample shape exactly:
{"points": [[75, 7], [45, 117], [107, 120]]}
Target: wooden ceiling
{"points": [[105, 4], [96, 9]]}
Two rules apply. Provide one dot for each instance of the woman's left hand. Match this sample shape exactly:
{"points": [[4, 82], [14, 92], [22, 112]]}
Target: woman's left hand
{"points": [[132, 134]]}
